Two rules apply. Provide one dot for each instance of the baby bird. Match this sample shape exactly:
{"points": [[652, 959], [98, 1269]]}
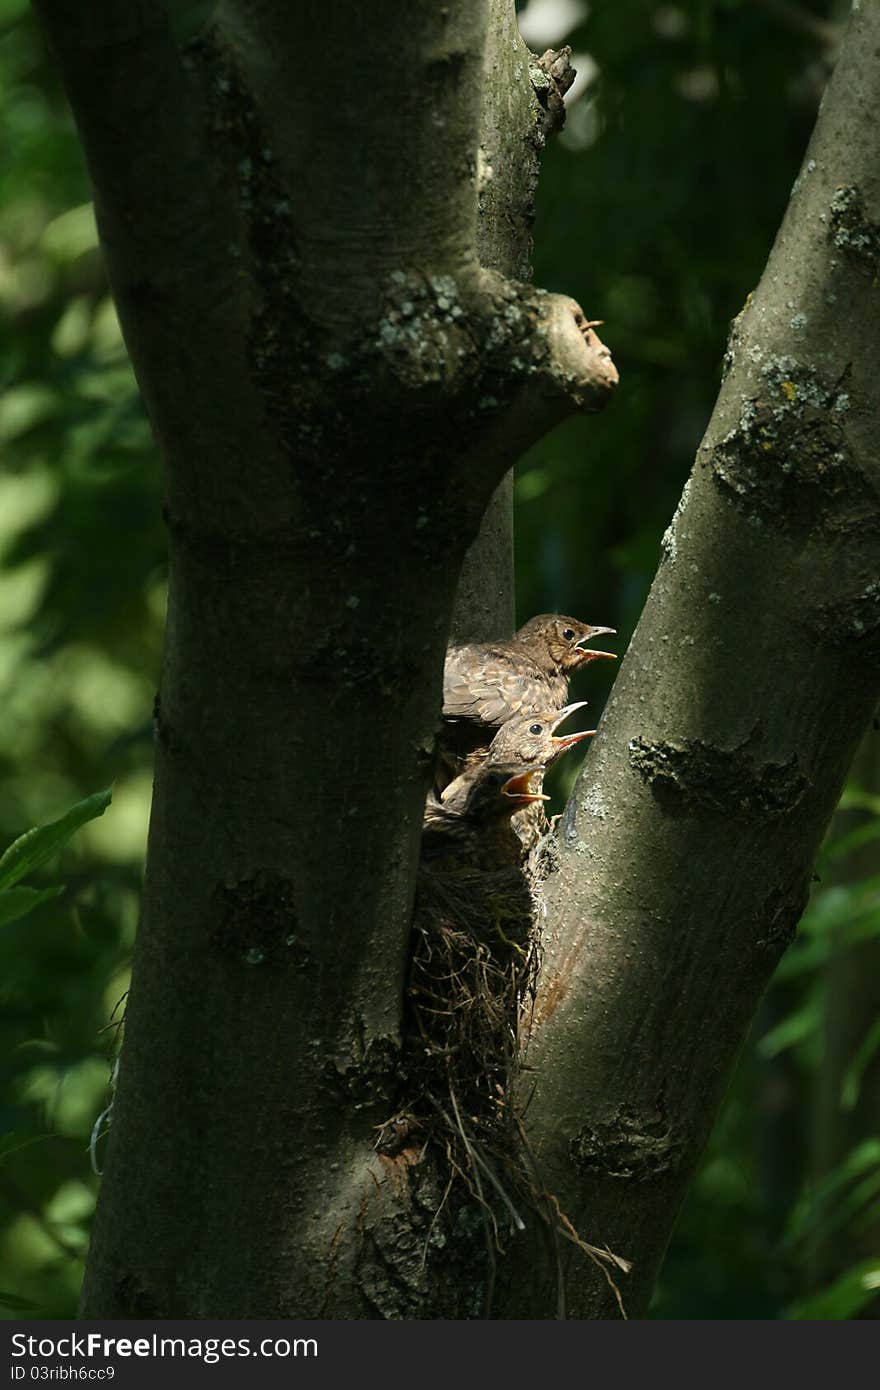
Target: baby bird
{"points": [[530, 739], [472, 828], [486, 684], [525, 739]]}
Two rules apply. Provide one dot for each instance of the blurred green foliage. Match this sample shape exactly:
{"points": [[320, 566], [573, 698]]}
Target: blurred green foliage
{"points": [[657, 209], [81, 607], [784, 1217], [32, 849]]}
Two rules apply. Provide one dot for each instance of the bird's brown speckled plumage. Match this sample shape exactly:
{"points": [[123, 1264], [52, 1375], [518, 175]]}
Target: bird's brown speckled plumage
{"points": [[472, 829], [487, 684]]}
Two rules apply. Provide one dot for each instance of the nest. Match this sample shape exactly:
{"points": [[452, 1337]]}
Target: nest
{"points": [[474, 964], [473, 972]]}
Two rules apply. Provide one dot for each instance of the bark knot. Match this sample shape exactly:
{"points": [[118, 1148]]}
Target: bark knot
{"points": [[851, 622], [255, 922], [637, 1147], [782, 909], [368, 1078], [426, 1256], [693, 777]]}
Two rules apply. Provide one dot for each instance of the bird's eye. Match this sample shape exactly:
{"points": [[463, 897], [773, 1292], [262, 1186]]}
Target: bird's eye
{"points": [[568, 634], [536, 728]]}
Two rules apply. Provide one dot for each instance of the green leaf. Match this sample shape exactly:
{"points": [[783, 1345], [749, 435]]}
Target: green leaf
{"points": [[35, 846], [16, 1304], [856, 799], [72, 233], [846, 1297], [850, 1207], [25, 406], [795, 1028], [15, 902], [852, 1081], [819, 1209], [863, 835]]}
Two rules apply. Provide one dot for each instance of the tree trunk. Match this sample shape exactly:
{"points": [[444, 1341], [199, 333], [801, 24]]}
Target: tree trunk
{"points": [[338, 389], [683, 859], [341, 364]]}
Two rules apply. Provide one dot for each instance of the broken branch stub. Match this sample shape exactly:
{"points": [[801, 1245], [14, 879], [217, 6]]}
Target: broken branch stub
{"points": [[507, 360]]}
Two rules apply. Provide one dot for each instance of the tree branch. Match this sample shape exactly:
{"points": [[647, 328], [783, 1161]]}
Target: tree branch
{"points": [[516, 114], [506, 179]]}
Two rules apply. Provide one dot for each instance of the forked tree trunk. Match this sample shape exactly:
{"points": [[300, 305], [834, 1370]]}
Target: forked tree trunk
{"points": [[340, 366]]}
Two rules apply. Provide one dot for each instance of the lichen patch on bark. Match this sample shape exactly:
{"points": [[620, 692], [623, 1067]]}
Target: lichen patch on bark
{"points": [[787, 461], [852, 231], [551, 75]]}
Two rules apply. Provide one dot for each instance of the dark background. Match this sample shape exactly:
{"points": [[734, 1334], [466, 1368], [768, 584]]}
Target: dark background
{"points": [[657, 209]]}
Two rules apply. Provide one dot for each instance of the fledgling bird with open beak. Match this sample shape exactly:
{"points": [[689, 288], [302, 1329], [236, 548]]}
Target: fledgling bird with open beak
{"points": [[487, 683], [473, 829], [525, 739]]}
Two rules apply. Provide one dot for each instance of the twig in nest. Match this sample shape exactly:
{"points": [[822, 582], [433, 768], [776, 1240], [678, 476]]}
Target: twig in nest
{"points": [[485, 1210], [487, 1169]]}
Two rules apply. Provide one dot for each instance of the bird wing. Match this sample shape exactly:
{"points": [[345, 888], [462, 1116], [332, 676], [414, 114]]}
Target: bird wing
{"points": [[480, 688], [443, 832]]}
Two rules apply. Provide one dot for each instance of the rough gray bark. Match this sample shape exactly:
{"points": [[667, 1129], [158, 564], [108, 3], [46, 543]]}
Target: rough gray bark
{"points": [[484, 601], [338, 388], [683, 860]]}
